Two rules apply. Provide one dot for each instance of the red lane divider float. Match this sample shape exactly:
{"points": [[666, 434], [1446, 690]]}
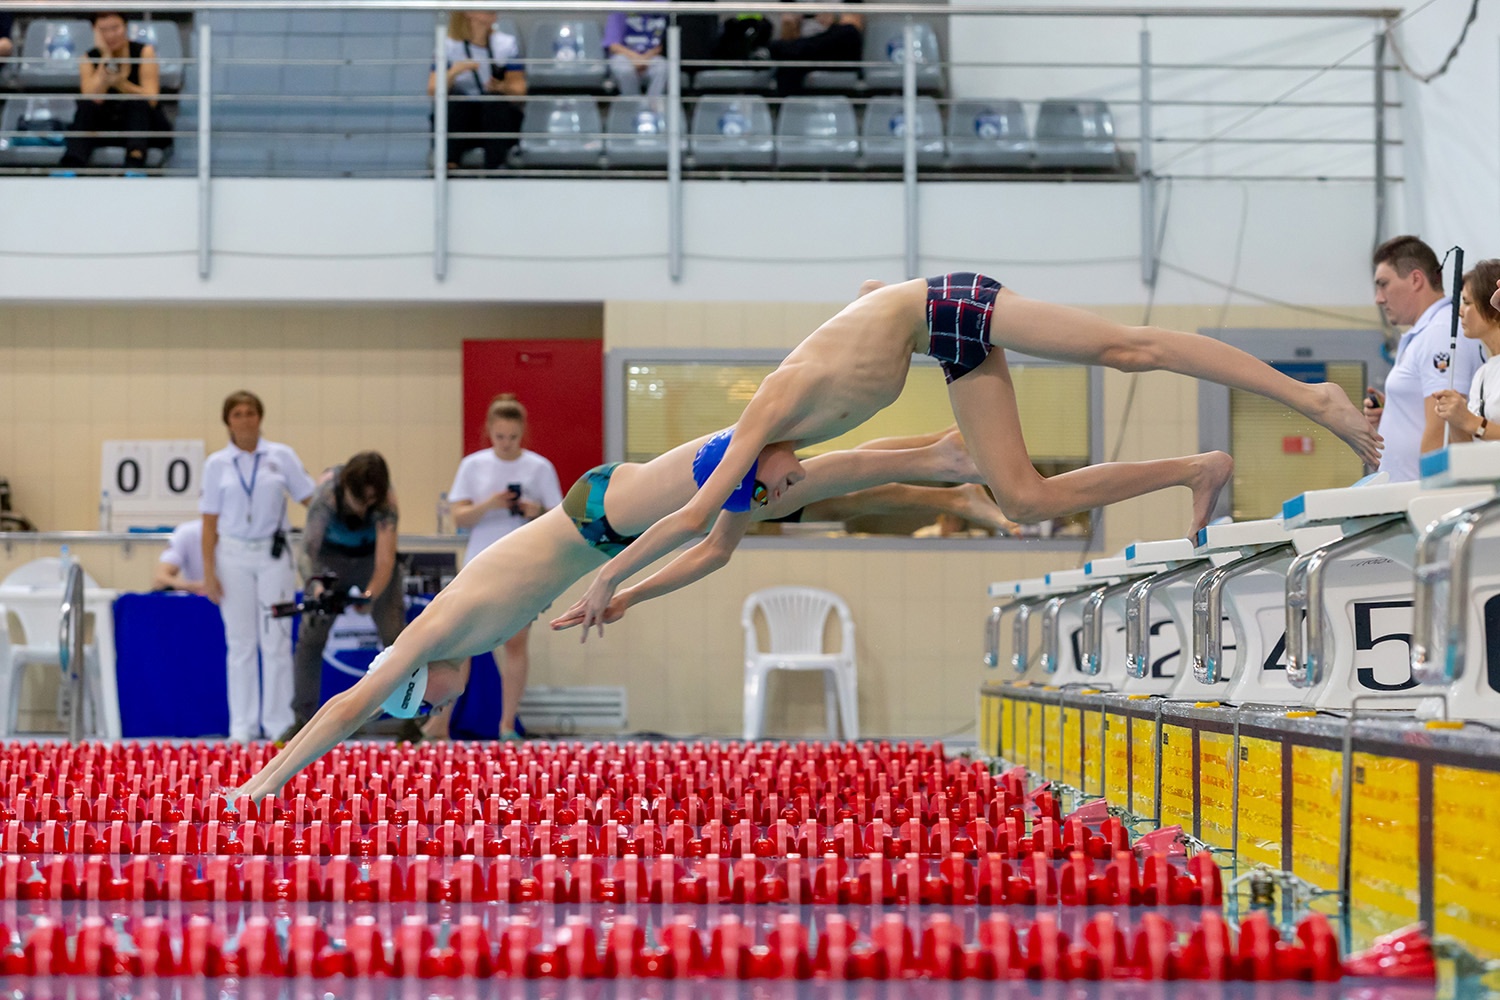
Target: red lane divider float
{"points": [[613, 838], [832, 948], [991, 880], [674, 770]]}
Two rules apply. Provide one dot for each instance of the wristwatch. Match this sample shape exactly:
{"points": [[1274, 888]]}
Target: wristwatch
{"points": [[1484, 423]]}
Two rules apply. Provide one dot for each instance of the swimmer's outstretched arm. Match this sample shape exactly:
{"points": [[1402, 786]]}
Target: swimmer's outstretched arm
{"points": [[752, 432], [339, 717], [708, 556]]}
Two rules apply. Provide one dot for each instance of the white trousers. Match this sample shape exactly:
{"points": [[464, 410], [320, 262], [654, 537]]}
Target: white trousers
{"points": [[260, 648]]}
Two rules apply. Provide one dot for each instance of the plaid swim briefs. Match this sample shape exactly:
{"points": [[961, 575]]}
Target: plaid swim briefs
{"points": [[959, 307]]}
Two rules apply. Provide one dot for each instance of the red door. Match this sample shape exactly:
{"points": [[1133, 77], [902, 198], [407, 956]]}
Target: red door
{"points": [[561, 384]]}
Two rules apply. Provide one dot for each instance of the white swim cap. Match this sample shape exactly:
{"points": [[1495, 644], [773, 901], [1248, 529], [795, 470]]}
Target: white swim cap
{"points": [[406, 701]]}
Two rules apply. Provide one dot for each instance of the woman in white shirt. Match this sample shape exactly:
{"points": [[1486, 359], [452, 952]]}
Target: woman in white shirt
{"points": [[495, 492], [483, 68], [1469, 417], [247, 564]]}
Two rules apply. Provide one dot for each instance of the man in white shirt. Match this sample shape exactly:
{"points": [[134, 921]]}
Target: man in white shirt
{"points": [[1409, 289], [181, 565]]}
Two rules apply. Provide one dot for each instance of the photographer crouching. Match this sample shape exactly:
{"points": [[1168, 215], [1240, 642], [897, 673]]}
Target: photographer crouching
{"points": [[350, 534]]}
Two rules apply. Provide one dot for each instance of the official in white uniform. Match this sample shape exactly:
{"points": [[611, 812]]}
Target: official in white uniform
{"points": [[1477, 416], [181, 565], [1409, 288], [246, 569], [495, 492]]}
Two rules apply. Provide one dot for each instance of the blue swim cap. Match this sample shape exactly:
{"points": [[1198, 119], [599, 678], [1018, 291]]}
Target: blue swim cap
{"points": [[708, 459]]}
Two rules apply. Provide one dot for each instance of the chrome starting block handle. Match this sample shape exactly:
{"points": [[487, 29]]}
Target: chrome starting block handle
{"points": [[1051, 644], [1208, 610], [1306, 657], [992, 633], [1138, 616], [1428, 662], [1461, 573], [1020, 647], [1093, 623]]}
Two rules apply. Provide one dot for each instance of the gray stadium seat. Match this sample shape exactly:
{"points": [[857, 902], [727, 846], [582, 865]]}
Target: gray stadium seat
{"points": [[165, 37], [575, 48], [742, 80], [884, 47], [1076, 134], [885, 131], [50, 54], [832, 81], [988, 134], [275, 119], [33, 116], [637, 128], [817, 132], [732, 132], [561, 132]]}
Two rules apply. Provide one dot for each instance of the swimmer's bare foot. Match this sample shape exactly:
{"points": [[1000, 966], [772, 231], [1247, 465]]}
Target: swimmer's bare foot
{"points": [[954, 464], [1211, 471], [975, 505], [1334, 410]]}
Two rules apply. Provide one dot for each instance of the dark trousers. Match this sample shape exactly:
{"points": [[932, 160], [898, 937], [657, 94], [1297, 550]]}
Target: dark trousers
{"points": [[467, 116], [840, 43], [387, 610], [114, 116]]}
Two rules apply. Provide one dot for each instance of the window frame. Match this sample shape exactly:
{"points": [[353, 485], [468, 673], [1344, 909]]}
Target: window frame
{"points": [[617, 361]]}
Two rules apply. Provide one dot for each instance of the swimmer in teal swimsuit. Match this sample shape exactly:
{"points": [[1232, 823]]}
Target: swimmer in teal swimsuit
{"points": [[512, 581]]}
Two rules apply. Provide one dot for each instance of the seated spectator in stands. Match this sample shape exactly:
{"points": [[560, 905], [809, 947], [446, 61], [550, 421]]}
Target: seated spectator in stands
{"points": [[1469, 417], [7, 22], [742, 37], [181, 565], [482, 62], [816, 39], [635, 45], [119, 81]]}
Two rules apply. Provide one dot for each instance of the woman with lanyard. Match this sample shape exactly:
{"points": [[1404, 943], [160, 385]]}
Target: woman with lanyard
{"points": [[1469, 417], [483, 69], [247, 566], [495, 491]]}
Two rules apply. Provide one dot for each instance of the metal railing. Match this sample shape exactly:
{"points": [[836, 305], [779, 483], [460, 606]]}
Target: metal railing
{"points": [[70, 650], [1252, 117]]}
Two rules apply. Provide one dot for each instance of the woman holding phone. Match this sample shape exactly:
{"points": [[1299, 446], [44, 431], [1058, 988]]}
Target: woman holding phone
{"points": [[497, 490]]}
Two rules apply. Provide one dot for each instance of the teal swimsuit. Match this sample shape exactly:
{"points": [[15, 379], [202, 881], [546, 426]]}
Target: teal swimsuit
{"points": [[585, 505]]}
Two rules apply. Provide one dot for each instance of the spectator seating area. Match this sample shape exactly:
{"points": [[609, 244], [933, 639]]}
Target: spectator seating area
{"points": [[49, 50], [343, 93], [749, 131]]}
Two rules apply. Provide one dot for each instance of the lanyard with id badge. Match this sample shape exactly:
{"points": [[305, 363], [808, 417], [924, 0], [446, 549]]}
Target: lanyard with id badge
{"points": [[278, 538]]}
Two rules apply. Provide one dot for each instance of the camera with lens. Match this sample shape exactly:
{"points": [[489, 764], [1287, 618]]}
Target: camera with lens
{"points": [[330, 600]]}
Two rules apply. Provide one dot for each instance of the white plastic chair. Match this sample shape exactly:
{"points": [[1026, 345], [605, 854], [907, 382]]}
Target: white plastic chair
{"points": [[38, 616], [795, 619], [38, 647], [43, 572]]}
